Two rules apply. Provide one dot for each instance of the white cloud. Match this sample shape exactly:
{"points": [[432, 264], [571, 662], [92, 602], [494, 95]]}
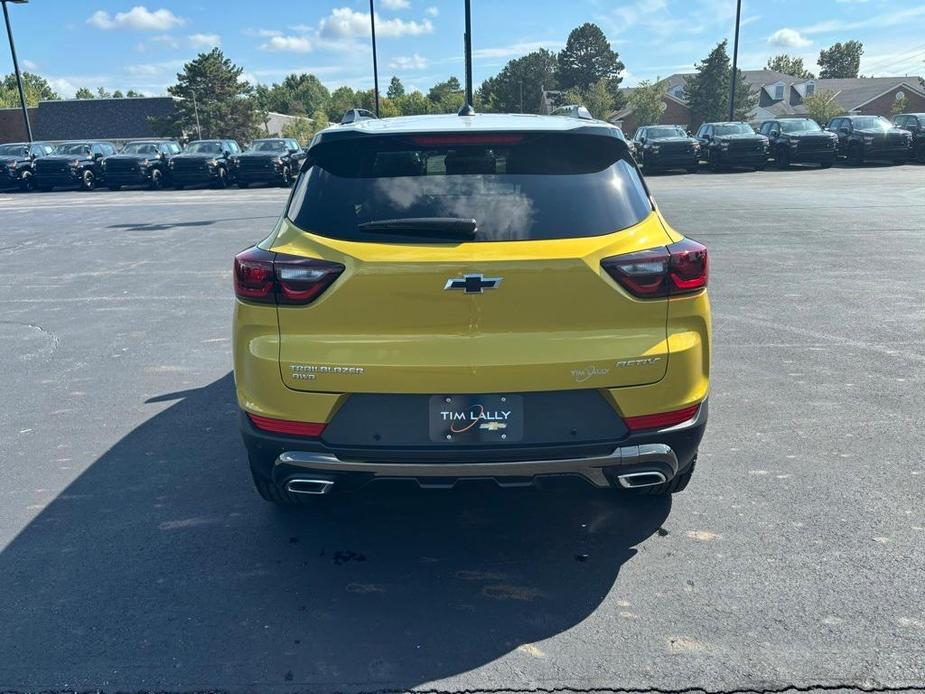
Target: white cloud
{"points": [[287, 44], [345, 23], [788, 38], [396, 4], [29, 65], [881, 20], [515, 49], [404, 62], [204, 40], [144, 70], [432, 11], [139, 18]]}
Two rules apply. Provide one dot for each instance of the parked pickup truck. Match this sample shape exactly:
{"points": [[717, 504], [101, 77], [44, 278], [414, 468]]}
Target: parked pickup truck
{"points": [[204, 162], [140, 163], [73, 165], [799, 141], [727, 145], [915, 124], [275, 161], [17, 164], [865, 138]]}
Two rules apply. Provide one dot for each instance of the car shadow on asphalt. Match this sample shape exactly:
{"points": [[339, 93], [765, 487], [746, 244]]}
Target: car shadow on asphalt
{"points": [[159, 567]]}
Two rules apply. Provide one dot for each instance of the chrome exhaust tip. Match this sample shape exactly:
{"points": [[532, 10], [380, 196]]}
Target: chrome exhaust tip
{"points": [[301, 485], [634, 480]]}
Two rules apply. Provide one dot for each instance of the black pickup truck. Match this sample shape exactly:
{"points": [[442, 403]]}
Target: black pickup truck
{"points": [[275, 161], [915, 124], [17, 164], [73, 165], [799, 141], [865, 138], [204, 162], [664, 147], [727, 145], [140, 163]]}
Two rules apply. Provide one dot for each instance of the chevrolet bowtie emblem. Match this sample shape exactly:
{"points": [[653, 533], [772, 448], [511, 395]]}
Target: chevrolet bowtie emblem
{"points": [[473, 284]]}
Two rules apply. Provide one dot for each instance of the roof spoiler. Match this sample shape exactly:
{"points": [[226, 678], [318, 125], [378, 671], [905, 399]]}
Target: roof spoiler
{"points": [[573, 111], [355, 115]]}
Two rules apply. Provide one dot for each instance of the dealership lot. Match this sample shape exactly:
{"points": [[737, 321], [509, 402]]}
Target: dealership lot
{"points": [[135, 555]]}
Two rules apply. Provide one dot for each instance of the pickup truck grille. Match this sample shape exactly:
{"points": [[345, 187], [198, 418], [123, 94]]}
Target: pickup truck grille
{"points": [[190, 166], [745, 145], [255, 164], [816, 144], [122, 166], [51, 168]]}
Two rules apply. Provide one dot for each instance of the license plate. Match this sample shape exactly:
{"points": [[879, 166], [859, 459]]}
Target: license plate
{"points": [[476, 418]]}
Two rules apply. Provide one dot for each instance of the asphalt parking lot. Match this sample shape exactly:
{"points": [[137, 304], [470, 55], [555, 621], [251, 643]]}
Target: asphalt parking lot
{"points": [[134, 554]]}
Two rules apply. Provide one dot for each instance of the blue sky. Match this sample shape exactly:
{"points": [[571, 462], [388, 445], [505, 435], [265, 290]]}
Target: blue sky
{"points": [[124, 44]]}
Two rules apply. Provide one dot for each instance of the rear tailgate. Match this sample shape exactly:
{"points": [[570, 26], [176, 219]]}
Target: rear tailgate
{"points": [[556, 321]]}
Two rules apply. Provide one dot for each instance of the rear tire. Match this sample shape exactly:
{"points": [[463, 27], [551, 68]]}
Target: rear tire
{"points": [[676, 484]]}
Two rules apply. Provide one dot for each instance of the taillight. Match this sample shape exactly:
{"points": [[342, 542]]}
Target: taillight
{"points": [[681, 268], [276, 278], [660, 420]]}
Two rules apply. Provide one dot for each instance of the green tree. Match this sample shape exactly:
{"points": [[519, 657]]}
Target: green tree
{"points": [[132, 94], [707, 90], [598, 98], [789, 65], [588, 58], [342, 99], [102, 93], [84, 93], [35, 87], [396, 88], [440, 90], [823, 106], [225, 102], [648, 101], [841, 60], [413, 104], [519, 86], [304, 129], [118, 95]]}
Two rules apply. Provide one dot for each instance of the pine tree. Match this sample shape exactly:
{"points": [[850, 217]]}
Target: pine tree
{"points": [[226, 104], [707, 91], [588, 58], [396, 88]]}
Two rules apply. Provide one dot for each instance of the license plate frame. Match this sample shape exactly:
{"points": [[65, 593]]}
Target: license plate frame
{"points": [[476, 419]]}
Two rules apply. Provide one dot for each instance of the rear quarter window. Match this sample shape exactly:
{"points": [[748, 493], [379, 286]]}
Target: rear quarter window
{"points": [[516, 187]]}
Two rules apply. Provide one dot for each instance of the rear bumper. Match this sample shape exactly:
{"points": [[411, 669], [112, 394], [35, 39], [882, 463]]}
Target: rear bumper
{"points": [[667, 451]]}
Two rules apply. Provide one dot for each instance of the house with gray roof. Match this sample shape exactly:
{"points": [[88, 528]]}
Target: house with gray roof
{"points": [[780, 95]]}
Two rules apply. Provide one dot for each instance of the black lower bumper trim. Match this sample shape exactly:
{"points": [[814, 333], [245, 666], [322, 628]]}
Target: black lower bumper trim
{"points": [[278, 458]]}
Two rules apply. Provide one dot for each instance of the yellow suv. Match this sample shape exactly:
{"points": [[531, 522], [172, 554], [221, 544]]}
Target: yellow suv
{"points": [[482, 296]]}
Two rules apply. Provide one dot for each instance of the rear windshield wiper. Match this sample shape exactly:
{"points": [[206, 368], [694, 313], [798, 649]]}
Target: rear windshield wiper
{"points": [[443, 227]]}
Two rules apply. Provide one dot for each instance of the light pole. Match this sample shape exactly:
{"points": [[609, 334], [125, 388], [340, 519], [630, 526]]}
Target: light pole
{"points": [[735, 63], [372, 23], [22, 94]]}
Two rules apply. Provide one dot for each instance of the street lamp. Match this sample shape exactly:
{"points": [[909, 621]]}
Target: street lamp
{"points": [[372, 24], [735, 64], [22, 94]]}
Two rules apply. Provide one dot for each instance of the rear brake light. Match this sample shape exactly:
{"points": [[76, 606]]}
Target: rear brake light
{"points": [[284, 426], [661, 420], [681, 268], [276, 278], [445, 140]]}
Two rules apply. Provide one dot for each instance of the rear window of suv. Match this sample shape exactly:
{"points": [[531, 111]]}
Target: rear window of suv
{"points": [[516, 187]]}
